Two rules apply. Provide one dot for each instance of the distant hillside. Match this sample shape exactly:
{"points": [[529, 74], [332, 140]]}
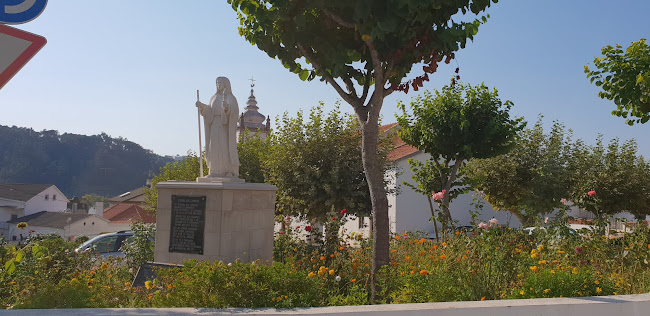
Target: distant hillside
{"points": [[76, 164]]}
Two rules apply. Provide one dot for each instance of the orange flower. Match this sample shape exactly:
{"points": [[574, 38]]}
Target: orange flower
{"points": [[353, 280], [444, 244], [322, 257], [534, 268], [443, 256], [424, 272], [434, 247], [483, 298]]}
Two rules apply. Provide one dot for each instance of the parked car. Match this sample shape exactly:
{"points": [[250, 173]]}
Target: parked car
{"points": [[106, 244]]}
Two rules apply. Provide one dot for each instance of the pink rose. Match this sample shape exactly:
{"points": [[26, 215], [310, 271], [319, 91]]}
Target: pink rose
{"points": [[591, 193], [482, 225], [493, 221], [439, 195], [563, 201]]}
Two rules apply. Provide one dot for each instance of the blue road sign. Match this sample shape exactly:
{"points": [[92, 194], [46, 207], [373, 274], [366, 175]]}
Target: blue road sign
{"points": [[20, 11]]}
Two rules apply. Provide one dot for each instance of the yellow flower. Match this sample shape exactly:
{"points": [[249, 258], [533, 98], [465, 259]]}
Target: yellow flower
{"points": [[127, 283], [574, 271], [598, 290], [521, 292], [540, 248], [366, 37], [533, 255], [547, 290], [331, 272], [312, 274], [104, 266], [560, 251], [596, 282], [534, 268], [22, 225], [148, 285], [541, 262]]}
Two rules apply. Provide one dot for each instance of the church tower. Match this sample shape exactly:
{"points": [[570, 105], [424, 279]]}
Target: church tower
{"points": [[252, 121]]}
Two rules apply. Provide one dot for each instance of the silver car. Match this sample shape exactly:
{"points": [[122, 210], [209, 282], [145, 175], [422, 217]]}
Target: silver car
{"points": [[106, 245]]}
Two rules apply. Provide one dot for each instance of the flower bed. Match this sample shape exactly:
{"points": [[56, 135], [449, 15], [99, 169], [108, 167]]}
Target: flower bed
{"points": [[485, 264]]}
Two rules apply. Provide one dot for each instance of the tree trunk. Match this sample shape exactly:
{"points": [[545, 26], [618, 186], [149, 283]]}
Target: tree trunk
{"points": [[375, 177], [433, 218]]}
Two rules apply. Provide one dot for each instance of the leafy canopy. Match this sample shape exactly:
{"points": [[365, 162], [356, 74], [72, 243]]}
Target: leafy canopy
{"points": [[351, 40], [315, 162], [453, 125], [532, 178], [624, 76]]}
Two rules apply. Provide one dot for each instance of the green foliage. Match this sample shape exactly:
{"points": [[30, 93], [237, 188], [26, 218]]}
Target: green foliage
{"points": [[620, 178], [339, 39], [624, 76], [316, 165], [139, 248], [532, 178], [452, 126], [492, 263], [78, 164], [92, 198], [253, 152]]}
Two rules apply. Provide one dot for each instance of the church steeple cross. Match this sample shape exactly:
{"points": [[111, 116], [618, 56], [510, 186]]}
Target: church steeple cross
{"points": [[252, 82]]}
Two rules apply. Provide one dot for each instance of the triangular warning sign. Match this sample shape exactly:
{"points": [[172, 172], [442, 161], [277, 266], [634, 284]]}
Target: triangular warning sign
{"points": [[16, 49]]}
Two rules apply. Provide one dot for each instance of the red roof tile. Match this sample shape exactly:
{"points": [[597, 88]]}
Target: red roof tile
{"points": [[128, 213], [401, 149]]}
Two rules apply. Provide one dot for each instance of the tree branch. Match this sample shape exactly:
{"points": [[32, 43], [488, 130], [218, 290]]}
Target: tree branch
{"points": [[352, 100], [338, 19]]}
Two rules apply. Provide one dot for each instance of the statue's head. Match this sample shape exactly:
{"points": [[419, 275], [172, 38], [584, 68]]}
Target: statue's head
{"points": [[223, 85]]}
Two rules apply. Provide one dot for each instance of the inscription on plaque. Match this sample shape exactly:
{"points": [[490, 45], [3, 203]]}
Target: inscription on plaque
{"points": [[187, 224]]}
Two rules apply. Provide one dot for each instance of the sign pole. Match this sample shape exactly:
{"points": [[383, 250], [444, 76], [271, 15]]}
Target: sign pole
{"points": [[200, 142]]}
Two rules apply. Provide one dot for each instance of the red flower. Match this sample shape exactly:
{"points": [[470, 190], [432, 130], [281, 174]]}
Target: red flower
{"points": [[308, 228], [297, 227], [333, 218], [343, 211], [281, 233], [591, 193]]}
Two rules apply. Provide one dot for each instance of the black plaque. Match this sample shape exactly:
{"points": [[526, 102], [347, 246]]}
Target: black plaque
{"points": [[188, 224]]}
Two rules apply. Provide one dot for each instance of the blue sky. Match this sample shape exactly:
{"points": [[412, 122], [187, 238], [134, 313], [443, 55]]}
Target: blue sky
{"points": [[132, 68]]}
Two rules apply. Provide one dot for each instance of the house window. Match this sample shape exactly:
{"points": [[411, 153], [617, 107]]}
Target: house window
{"points": [[53, 197], [13, 216], [47, 197]]}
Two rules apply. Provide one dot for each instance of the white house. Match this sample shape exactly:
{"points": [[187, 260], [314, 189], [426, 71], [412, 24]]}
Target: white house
{"points": [[68, 225], [18, 200], [409, 210]]}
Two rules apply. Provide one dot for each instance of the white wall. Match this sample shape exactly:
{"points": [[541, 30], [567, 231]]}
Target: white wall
{"points": [[39, 203], [412, 212], [90, 226], [9, 207]]}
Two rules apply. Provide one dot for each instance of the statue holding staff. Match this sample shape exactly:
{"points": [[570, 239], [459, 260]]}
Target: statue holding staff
{"points": [[220, 122]]}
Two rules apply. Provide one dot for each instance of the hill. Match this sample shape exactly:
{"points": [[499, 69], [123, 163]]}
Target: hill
{"points": [[76, 164]]}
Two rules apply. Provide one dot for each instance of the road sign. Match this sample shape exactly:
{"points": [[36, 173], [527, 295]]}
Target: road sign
{"points": [[16, 49], [20, 11]]}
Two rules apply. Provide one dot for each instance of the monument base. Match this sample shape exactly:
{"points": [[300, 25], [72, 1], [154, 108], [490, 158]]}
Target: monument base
{"points": [[236, 221]]}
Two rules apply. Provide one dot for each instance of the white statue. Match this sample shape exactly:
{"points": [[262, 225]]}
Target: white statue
{"points": [[220, 119]]}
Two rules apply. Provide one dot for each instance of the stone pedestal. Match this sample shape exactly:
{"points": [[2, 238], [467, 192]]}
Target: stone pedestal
{"points": [[237, 221]]}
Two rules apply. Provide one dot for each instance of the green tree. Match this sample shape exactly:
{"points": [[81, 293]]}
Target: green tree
{"points": [[353, 45], [317, 167], [253, 152], [453, 125], [624, 76], [92, 198], [532, 178], [618, 179]]}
